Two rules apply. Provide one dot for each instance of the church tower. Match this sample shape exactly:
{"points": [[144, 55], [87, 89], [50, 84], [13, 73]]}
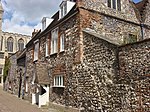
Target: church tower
{"points": [[1, 16]]}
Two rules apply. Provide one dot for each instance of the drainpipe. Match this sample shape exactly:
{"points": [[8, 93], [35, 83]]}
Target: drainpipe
{"points": [[25, 81], [142, 30], [20, 82]]}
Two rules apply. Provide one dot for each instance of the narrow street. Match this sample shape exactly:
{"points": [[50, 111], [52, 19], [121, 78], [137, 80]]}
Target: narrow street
{"points": [[10, 103]]}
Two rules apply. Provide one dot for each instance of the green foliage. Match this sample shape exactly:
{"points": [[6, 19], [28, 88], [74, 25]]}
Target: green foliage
{"points": [[130, 39], [6, 68]]}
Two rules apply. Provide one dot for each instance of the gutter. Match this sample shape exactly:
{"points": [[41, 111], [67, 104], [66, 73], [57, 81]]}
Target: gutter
{"points": [[55, 26]]}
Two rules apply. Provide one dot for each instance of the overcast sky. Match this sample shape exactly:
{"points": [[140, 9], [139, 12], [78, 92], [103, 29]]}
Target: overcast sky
{"points": [[23, 16]]}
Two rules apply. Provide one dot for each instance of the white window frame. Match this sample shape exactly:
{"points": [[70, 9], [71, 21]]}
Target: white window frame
{"points": [[112, 6], [59, 81], [54, 41], [36, 50], [47, 48], [62, 43], [63, 9]]}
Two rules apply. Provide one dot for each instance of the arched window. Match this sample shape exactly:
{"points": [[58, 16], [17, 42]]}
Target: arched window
{"points": [[1, 47], [10, 41], [21, 44]]}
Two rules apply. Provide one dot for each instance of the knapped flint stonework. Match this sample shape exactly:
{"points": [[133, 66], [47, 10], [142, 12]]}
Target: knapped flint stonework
{"points": [[147, 13], [147, 20], [90, 64], [30, 71], [15, 80], [115, 29], [92, 82], [126, 13], [135, 74]]}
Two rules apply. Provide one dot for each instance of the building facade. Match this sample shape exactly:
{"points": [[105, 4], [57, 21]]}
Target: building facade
{"points": [[94, 56], [80, 54], [9, 44]]}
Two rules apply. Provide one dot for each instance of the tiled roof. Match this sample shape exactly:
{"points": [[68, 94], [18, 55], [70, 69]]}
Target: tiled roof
{"points": [[42, 74]]}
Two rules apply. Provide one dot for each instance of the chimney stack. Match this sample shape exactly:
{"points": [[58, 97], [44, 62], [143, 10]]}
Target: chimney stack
{"points": [[34, 32]]}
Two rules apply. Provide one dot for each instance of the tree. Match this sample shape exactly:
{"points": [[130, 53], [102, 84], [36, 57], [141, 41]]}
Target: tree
{"points": [[6, 68]]}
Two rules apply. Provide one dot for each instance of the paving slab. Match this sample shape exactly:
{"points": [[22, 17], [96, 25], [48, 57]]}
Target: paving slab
{"points": [[10, 103]]}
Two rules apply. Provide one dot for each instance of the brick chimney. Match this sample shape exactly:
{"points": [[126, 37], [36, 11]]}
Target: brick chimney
{"points": [[34, 32]]}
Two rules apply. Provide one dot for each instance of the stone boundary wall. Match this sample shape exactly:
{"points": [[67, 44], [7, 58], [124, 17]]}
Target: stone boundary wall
{"points": [[111, 78], [134, 63]]}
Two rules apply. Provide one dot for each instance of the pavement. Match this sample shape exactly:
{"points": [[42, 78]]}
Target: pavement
{"points": [[10, 103]]}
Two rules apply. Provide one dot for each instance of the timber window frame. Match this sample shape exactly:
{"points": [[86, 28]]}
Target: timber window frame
{"points": [[63, 9], [36, 50], [114, 4], [62, 42], [58, 81], [47, 47], [54, 41]]}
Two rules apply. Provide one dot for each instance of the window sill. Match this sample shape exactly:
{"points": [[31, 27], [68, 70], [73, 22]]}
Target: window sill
{"points": [[62, 51], [46, 56], [53, 54], [35, 60]]}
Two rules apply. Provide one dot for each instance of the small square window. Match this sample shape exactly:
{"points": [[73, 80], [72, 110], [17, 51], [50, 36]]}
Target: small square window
{"points": [[115, 4], [58, 81], [130, 39]]}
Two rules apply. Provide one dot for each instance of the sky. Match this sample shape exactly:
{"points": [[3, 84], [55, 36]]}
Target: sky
{"points": [[23, 16]]}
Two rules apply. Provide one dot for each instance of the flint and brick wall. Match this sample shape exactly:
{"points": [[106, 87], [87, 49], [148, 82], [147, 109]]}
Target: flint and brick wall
{"points": [[126, 13], [90, 85], [113, 28], [90, 65]]}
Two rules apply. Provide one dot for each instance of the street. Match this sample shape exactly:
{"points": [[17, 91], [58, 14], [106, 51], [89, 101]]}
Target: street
{"points": [[10, 103]]}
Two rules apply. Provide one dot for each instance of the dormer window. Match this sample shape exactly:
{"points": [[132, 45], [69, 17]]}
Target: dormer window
{"points": [[115, 4], [65, 7], [45, 22]]}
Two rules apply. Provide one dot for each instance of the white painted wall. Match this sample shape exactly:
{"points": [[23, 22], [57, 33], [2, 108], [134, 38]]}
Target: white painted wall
{"points": [[70, 5], [44, 99], [35, 98]]}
